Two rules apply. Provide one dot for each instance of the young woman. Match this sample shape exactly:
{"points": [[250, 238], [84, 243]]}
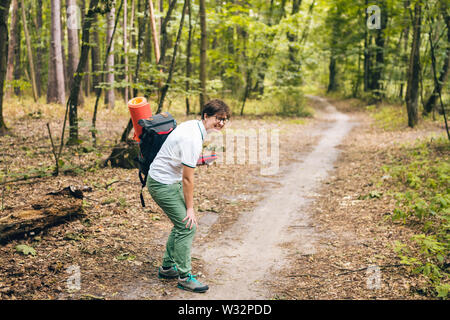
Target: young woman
{"points": [[171, 184]]}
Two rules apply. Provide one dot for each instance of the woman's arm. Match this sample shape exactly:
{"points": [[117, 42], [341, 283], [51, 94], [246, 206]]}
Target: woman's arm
{"points": [[188, 191]]}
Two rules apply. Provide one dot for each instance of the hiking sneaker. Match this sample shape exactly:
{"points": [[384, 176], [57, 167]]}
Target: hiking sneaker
{"points": [[170, 273], [191, 284]]}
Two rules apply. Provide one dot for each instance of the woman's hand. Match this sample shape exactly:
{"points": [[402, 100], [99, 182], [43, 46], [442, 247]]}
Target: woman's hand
{"points": [[191, 219]]}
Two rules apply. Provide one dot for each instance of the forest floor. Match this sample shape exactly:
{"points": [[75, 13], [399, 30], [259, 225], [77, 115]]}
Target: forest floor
{"points": [[305, 232]]}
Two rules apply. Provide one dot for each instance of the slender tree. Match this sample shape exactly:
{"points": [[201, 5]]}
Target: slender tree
{"points": [[87, 75], [172, 65], [412, 90], [40, 51], [203, 47], [141, 25], [377, 72], [125, 46], [95, 59], [73, 44], [367, 53], [154, 32], [18, 53], [107, 54], [4, 13], [76, 87], [56, 72], [404, 55], [109, 94], [188, 57], [440, 82], [334, 21], [163, 31], [73, 61], [294, 63], [29, 52], [13, 42]]}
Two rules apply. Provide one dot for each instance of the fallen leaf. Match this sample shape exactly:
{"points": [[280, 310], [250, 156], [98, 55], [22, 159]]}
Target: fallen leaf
{"points": [[24, 249]]}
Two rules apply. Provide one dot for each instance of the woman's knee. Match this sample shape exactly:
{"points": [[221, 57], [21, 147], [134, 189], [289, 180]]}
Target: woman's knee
{"points": [[188, 231]]}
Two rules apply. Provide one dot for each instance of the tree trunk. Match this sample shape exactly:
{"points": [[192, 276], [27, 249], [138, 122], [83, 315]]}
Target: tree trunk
{"points": [[30, 53], [164, 35], [332, 85], [172, 65], [160, 4], [57, 60], [87, 77], [63, 50], [436, 81], [248, 81], [412, 90], [405, 49], [141, 28], [133, 14], [123, 155], [107, 55], [95, 60], [140, 42], [431, 102], [17, 54], [379, 53], [74, 48], [73, 60], [154, 33], [358, 77], [76, 83], [41, 214], [39, 49], [294, 65], [51, 78], [147, 53], [13, 42], [4, 13], [188, 57], [367, 41], [125, 47], [109, 96], [203, 47]]}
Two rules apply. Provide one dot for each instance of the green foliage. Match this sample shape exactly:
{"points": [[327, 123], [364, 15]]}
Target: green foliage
{"points": [[423, 203], [371, 195], [288, 101], [126, 256], [122, 202], [20, 84], [25, 250], [388, 117]]}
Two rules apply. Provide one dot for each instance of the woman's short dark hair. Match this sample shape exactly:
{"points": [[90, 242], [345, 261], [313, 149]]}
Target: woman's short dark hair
{"points": [[216, 106]]}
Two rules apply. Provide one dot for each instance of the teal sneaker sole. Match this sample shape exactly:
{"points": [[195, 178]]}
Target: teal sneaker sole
{"points": [[196, 290]]}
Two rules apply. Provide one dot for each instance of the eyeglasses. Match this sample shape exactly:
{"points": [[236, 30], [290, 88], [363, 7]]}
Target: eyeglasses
{"points": [[223, 120]]}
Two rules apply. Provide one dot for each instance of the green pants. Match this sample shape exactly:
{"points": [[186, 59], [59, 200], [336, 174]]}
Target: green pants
{"points": [[170, 198]]}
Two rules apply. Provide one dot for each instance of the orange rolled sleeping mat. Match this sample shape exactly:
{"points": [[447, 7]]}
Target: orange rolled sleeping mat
{"points": [[139, 109]]}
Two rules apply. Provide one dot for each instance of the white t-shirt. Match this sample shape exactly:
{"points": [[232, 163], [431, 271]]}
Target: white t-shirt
{"points": [[182, 147]]}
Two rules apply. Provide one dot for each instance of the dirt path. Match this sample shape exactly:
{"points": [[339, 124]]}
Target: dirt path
{"points": [[240, 261]]}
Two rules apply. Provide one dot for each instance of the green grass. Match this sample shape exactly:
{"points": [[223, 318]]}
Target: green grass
{"points": [[389, 117], [421, 187]]}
